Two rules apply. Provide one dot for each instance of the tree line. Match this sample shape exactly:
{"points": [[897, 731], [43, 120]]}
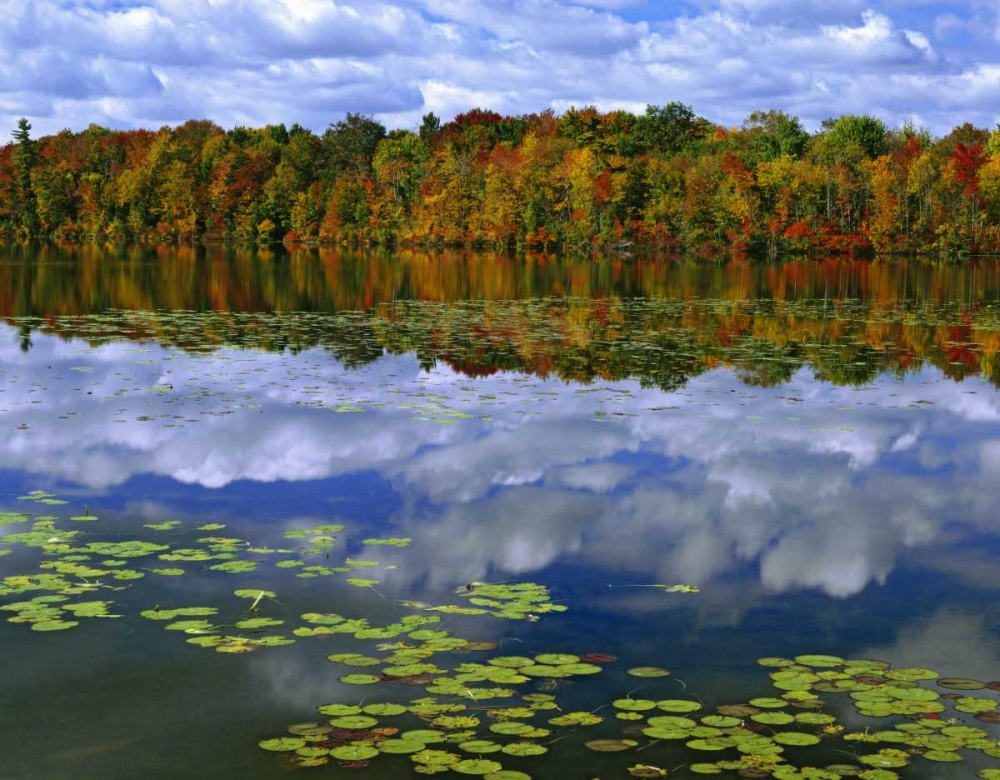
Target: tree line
{"points": [[582, 180]]}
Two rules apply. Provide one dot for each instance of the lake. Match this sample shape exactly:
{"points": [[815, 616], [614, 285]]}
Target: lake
{"points": [[388, 514]]}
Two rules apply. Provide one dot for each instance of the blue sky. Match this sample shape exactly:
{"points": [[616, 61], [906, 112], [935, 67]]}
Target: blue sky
{"points": [[126, 63]]}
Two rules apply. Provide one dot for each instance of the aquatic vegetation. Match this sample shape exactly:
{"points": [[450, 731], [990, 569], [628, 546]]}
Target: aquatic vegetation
{"points": [[518, 601], [756, 738]]}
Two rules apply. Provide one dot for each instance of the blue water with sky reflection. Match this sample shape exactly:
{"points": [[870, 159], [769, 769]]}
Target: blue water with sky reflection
{"points": [[858, 521]]}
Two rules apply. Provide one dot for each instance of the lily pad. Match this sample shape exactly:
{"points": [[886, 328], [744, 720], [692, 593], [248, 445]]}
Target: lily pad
{"points": [[282, 744], [611, 745], [357, 752], [359, 679], [648, 672], [476, 767], [524, 749], [961, 684]]}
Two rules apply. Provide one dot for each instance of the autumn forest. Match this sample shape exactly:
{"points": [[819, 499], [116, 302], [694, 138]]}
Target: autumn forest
{"points": [[581, 181]]}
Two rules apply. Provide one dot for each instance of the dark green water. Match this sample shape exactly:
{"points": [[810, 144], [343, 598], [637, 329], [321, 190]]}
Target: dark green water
{"points": [[813, 446]]}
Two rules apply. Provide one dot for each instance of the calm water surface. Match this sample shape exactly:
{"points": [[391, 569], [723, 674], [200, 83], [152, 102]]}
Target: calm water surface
{"points": [[814, 446]]}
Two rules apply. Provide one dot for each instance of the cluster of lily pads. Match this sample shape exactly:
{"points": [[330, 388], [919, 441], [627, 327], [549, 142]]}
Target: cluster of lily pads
{"points": [[212, 633], [759, 737], [757, 733], [445, 734], [72, 566], [512, 601]]}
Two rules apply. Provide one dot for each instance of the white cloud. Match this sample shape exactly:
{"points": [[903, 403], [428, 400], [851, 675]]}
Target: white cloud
{"points": [[235, 61]]}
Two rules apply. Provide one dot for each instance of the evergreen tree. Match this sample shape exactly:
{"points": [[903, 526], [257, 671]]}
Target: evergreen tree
{"points": [[25, 158]]}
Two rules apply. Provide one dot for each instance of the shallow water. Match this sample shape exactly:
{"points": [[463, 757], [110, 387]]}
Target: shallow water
{"points": [[814, 446]]}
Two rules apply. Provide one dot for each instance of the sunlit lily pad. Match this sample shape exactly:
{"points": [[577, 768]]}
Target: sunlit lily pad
{"points": [[359, 679], [524, 749], [557, 659], [402, 746], [357, 752], [678, 705], [646, 771], [634, 705], [819, 661], [480, 746], [282, 744], [437, 758], [476, 767], [795, 738], [53, 625], [648, 672], [711, 744], [943, 756], [354, 722]]}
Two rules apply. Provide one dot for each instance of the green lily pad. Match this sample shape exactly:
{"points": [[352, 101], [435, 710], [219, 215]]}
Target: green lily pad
{"points": [[480, 746], [711, 744], [773, 718], [766, 703], [282, 744], [721, 721], [944, 756], [385, 710], [610, 745], [648, 672], [577, 719], [961, 684], [557, 659], [355, 752], [401, 746], [524, 749], [435, 758], [479, 766], [339, 710], [795, 738], [510, 662], [819, 661], [512, 728], [911, 674], [354, 722], [634, 705], [359, 679], [54, 625], [248, 593], [678, 705]]}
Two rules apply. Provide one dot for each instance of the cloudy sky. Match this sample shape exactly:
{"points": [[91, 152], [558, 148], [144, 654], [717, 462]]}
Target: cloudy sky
{"points": [[128, 63]]}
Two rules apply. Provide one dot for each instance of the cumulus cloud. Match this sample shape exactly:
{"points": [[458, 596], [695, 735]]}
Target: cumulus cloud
{"points": [[147, 62]]}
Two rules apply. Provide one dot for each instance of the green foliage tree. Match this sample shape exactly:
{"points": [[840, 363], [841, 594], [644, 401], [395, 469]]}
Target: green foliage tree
{"points": [[430, 126], [349, 145], [775, 133], [25, 158], [862, 130], [669, 129]]}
